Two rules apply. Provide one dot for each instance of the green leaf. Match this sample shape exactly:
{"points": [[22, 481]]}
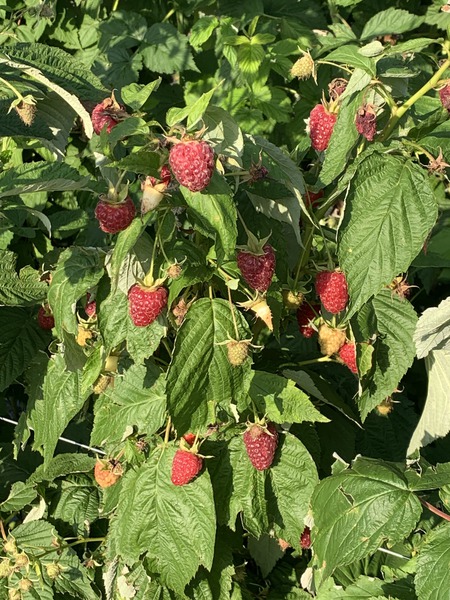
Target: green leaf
{"points": [[136, 403], [202, 30], [434, 422], [162, 519], [78, 270], [143, 161], [433, 329], [214, 215], [223, 132], [61, 400], [113, 319], [342, 141], [250, 56], [350, 55], [142, 342], [21, 339], [136, 95], [353, 528], [165, 50], [397, 195], [20, 495], [41, 177], [23, 289], [281, 401], [62, 465], [389, 21], [77, 503], [433, 576], [194, 112], [394, 320], [200, 373]]}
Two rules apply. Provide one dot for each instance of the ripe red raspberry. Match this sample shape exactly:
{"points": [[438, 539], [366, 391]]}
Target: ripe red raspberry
{"points": [[312, 198], [347, 354], [91, 306], [321, 124], [107, 472], [192, 163], [165, 175], [444, 95], [108, 113], [306, 314], [305, 539], [257, 270], [145, 304], [185, 466], [45, 318], [260, 444], [115, 217], [366, 121], [331, 287]]}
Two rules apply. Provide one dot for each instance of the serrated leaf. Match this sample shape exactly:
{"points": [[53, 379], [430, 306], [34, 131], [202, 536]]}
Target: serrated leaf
{"points": [[23, 289], [137, 400], [433, 329], [60, 402], [78, 269], [435, 419], [213, 213], [433, 575], [281, 401], [41, 177], [61, 465], [200, 372], [136, 95], [77, 503], [143, 161], [113, 321], [165, 50], [193, 112], [154, 516], [142, 342], [398, 198], [390, 21], [394, 320], [223, 132], [202, 30], [350, 55], [352, 529], [20, 495], [21, 339]]}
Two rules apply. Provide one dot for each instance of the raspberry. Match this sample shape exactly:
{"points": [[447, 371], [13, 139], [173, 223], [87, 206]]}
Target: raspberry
{"points": [[107, 472], [337, 87], [366, 121], [108, 113], [115, 217], [330, 339], [283, 544], [145, 304], [444, 95], [91, 306], [306, 314], [45, 318], [165, 174], [347, 354], [192, 163], [190, 438], [257, 270], [260, 444], [321, 124], [312, 198], [305, 538], [292, 300], [303, 68], [331, 287], [185, 466], [26, 112], [237, 352]]}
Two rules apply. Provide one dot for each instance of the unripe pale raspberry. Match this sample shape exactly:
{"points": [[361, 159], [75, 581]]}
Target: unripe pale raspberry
{"points": [[330, 339], [192, 163], [321, 124], [303, 68], [115, 217], [237, 352], [145, 304]]}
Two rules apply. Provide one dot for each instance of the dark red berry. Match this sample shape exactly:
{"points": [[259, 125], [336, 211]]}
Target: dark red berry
{"points": [[115, 217], [366, 121], [260, 444], [185, 466], [306, 314], [257, 270], [45, 318], [107, 114], [145, 304], [305, 539]]}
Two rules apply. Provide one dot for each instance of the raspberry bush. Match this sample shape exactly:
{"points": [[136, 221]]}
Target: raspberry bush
{"points": [[224, 300]]}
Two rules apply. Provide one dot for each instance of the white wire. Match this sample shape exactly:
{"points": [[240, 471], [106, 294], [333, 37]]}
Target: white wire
{"points": [[62, 439]]}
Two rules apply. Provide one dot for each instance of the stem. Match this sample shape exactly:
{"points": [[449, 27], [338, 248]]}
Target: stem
{"points": [[434, 510], [83, 541], [303, 363], [115, 5], [2, 530], [398, 112], [327, 62], [309, 231], [167, 431], [232, 314], [148, 279], [12, 88], [169, 14]]}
